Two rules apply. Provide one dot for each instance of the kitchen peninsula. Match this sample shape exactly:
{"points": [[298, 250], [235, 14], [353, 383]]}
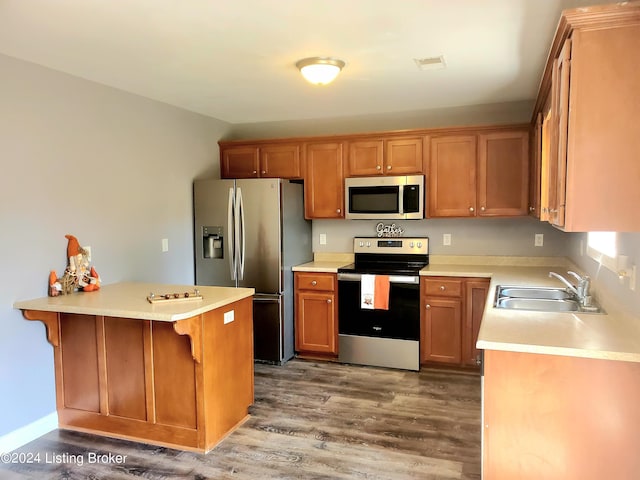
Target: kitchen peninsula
{"points": [[174, 373]]}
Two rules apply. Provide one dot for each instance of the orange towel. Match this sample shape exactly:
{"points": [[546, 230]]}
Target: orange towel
{"points": [[381, 295]]}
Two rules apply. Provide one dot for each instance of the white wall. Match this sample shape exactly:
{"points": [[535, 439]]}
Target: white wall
{"points": [[605, 281], [490, 114], [111, 168], [469, 236]]}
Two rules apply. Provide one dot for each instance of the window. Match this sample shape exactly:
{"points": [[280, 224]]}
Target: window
{"points": [[602, 247]]}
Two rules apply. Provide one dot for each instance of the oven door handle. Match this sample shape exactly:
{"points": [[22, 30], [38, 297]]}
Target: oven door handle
{"points": [[356, 277]]}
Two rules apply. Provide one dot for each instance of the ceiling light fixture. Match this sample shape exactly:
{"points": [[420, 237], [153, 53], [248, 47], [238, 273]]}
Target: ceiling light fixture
{"points": [[320, 70]]}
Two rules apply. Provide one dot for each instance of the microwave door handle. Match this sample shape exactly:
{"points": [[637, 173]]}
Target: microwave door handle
{"points": [[231, 234]]}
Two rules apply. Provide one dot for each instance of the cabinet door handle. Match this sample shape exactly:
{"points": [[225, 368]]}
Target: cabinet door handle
{"points": [[471, 209], [314, 283], [378, 167], [328, 300], [388, 167], [482, 209], [442, 288], [264, 171], [427, 306], [338, 210], [254, 172]]}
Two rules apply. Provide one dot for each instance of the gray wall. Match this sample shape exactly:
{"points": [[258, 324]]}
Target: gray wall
{"points": [[607, 281], [469, 236], [491, 114], [111, 168]]}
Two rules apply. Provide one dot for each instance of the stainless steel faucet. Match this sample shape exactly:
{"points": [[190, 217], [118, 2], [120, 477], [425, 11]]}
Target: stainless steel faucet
{"points": [[581, 291]]}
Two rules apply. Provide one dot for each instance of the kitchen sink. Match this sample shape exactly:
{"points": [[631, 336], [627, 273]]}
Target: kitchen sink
{"points": [[534, 292], [540, 299], [538, 304]]}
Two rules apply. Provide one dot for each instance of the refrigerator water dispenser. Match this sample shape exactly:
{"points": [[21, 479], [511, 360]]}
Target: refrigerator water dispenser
{"points": [[212, 242]]}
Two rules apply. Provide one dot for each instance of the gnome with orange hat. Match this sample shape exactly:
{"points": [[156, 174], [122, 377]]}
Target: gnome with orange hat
{"points": [[77, 274]]}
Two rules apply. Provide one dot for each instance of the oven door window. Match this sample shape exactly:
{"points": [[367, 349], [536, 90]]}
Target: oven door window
{"points": [[401, 321], [379, 199]]}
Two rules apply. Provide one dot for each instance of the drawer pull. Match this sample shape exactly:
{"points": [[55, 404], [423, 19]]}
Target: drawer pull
{"points": [[442, 288], [428, 306], [314, 283], [328, 300]]}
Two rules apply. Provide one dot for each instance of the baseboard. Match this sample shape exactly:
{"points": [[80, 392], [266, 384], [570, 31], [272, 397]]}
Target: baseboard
{"points": [[28, 433]]}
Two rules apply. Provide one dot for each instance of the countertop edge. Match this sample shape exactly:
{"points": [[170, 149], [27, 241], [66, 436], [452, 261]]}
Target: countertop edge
{"points": [[149, 312]]}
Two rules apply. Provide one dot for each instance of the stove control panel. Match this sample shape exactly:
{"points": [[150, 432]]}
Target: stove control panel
{"points": [[415, 245]]}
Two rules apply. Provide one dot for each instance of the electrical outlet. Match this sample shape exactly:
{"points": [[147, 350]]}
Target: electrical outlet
{"points": [[446, 239], [323, 239], [229, 316], [539, 240], [165, 244]]}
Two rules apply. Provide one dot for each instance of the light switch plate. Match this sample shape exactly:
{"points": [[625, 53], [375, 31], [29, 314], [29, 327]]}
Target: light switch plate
{"points": [[539, 240], [323, 239], [165, 244], [446, 239]]}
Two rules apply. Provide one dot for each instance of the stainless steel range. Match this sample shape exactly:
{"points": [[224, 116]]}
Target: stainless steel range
{"points": [[385, 337]]}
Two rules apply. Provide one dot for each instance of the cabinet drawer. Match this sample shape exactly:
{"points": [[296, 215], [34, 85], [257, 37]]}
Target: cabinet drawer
{"points": [[316, 281], [444, 287]]}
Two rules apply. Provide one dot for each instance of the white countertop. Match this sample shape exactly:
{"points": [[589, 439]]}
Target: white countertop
{"points": [[129, 300], [609, 336], [323, 266]]}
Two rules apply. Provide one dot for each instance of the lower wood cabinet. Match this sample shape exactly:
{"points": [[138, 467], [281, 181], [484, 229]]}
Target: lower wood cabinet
{"points": [[451, 311], [183, 384], [316, 314]]}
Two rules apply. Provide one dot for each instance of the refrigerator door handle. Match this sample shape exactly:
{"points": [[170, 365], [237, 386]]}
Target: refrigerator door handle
{"points": [[241, 246], [231, 232]]}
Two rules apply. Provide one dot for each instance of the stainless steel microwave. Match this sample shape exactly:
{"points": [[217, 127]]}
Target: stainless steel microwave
{"points": [[388, 197]]}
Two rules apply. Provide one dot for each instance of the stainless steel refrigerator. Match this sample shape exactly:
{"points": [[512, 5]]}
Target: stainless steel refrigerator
{"points": [[249, 233]]}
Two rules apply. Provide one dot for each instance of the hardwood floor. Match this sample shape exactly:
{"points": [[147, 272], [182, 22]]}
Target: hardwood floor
{"points": [[310, 420]]}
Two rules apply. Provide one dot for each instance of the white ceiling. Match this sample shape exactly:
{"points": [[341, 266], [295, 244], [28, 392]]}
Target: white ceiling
{"points": [[234, 59]]}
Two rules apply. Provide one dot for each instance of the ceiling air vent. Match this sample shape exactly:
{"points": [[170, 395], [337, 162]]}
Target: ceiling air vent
{"points": [[430, 63]]}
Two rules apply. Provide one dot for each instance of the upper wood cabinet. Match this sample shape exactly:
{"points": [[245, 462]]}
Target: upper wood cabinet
{"points": [[324, 180], [379, 156], [266, 161], [239, 162], [452, 176], [592, 171], [503, 173], [479, 175]]}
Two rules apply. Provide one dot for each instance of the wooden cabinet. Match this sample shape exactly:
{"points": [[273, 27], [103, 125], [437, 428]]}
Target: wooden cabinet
{"points": [[390, 156], [451, 311], [266, 161], [475, 291], [593, 169], [503, 173], [556, 417], [184, 384], [316, 314], [452, 176], [484, 174], [535, 167], [324, 180], [239, 162]]}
